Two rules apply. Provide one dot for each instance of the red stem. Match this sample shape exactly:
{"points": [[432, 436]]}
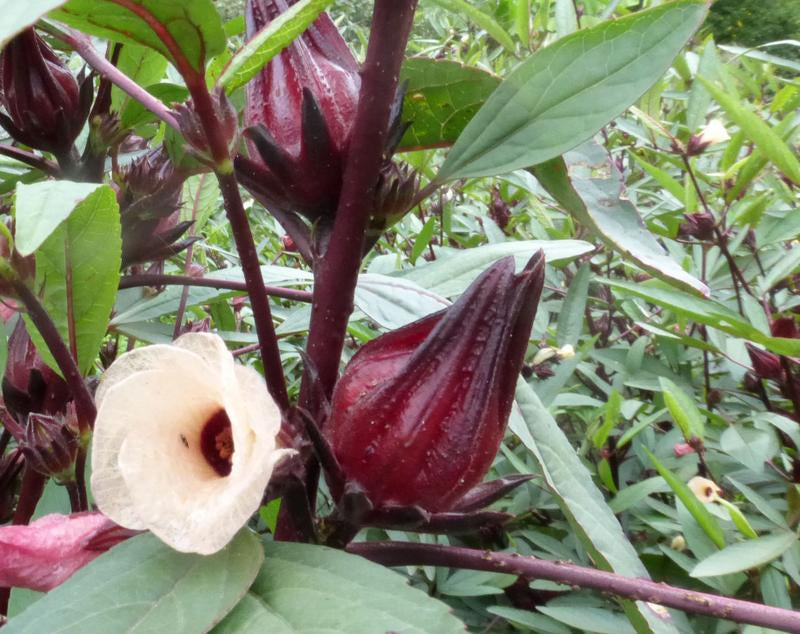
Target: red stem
{"points": [[411, 554], [135, 281], [29, 158], [84, 403], [336, 273], [223, 168]]}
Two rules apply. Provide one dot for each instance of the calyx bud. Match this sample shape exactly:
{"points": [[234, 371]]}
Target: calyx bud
{"points": [[300, 110], [766, 365], [192, 127], [420, 412], [150, 201], [699, 226], [50, 444], [46, 106], [29, 384]]}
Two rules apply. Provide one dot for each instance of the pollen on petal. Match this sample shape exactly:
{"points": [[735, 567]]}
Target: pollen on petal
{"points": [[216, 442]]}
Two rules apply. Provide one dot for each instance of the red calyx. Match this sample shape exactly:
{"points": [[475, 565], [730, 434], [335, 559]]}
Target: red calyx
{"points": [[419, 414]]}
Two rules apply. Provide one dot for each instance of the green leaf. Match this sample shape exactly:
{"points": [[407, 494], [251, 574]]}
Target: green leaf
{"points": [[599, 204], [683, 410], [392, 303], [697, 509], [41, 207], [449, 275], [304, 588], [566, 18], [142, 585], [193, 25], [77, 273], [570, 319], [561, 95], [144, 65], [442, 97], [708, 312], [483, 20], [758, 131], [580, 500], [270, 41], [699, 98], [745, 555], [589, 619], [17, 16]]}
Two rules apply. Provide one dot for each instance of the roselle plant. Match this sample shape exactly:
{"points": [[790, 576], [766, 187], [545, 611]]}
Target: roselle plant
{"points": [[493, 294]]}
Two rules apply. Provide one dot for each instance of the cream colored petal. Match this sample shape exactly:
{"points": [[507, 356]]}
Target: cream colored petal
{"points": [[156, 410], [148, 358], [264, 415], [704, 489], [208, 346]]}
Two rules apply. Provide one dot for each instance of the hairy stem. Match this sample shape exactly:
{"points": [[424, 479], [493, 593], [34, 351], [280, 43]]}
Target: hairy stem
{"points": [[411, 554], [147, 279]]}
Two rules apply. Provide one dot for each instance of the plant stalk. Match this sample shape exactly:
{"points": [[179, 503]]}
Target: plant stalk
{"points": [[149, 279], [336, 272], [411, 554]]}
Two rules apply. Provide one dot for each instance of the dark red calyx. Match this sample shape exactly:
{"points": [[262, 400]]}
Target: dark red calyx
{"points": [[766, 365], [419, 414], [46, 106]]}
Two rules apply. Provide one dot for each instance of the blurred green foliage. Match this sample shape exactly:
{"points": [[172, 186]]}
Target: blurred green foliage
{"points": [[754, 22]]}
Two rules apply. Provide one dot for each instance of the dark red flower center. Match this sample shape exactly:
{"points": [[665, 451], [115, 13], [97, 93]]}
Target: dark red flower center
{"points": [[216, 442]]}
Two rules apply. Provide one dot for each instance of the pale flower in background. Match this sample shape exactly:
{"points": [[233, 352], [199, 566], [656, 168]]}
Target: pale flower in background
{"points": [[184, 442], [704, 489], [713, 133]]}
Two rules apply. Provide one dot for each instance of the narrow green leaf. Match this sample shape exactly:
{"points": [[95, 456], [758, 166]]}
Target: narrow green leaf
{"points": [[745, 555], [77, 273], [194, 26], [442, 97], [570, 319], [661, 177], [483, 20], [566, 18], [270, 41], [699, 97], [697, 509], [17, 15], [758, 131], [41, 207], [600, 205], [683, 410], [304, 588], [142, 585], [581, 501], [611, 418], [423, 239], [708, 312], [450, 275], [561, 96]]}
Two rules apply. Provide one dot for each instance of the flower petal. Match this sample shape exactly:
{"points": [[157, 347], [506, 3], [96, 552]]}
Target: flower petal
{"points": [[47, 552], [158, 410]]}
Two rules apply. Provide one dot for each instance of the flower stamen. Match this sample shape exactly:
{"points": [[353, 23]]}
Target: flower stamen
{"points": [[216, 443]]}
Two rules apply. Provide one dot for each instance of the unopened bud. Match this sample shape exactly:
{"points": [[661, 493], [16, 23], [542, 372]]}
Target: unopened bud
{"points": [[50, 445], [766, 365], [419, 413], [46, 106], [699, 226]]}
